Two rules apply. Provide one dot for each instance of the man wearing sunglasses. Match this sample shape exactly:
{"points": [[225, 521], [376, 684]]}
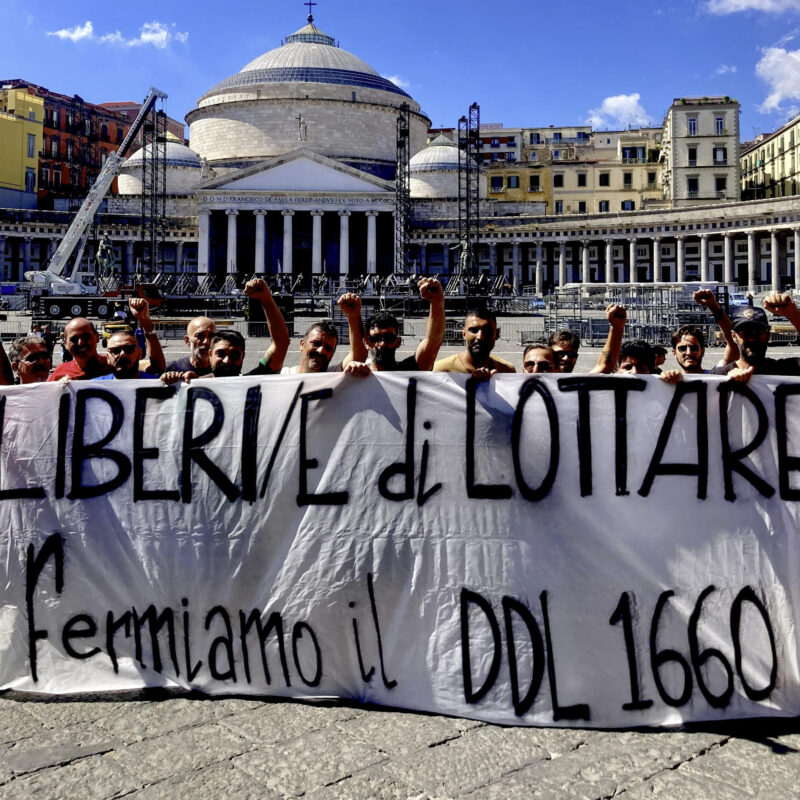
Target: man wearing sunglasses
{"points": [[383, 341], [30, 359], [123, 355], [538, 358]]}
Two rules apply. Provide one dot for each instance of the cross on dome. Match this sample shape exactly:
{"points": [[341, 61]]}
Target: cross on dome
{"points": [[310, 4]]}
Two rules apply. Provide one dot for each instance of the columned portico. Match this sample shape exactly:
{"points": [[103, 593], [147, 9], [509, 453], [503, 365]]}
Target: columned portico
{"points": [[610, 261], [344, 243], [231, 260], [562, 263], [261, 241], [288, 242], [515, 265]]}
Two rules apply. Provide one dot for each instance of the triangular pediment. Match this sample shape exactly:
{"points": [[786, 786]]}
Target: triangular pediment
{"points": [[300, 171]]}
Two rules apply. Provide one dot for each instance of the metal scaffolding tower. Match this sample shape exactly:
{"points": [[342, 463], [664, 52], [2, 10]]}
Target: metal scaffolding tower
{"points": [[469, 143], [154, 179], [402, 220]]}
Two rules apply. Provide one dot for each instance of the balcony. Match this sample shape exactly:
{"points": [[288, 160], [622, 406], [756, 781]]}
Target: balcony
{"points": [[496, 189], [721, 194], [634, 160], [693, 194], [720, 162], [535, 189], [692, 162]]}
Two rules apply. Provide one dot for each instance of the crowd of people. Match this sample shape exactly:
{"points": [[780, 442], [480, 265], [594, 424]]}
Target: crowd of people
{"points": [[374, 346]]}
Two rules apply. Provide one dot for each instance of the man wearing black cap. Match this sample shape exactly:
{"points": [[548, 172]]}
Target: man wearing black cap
{"points": [[751, 334]]}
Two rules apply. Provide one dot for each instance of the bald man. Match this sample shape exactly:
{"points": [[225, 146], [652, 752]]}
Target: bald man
{"points": [[199, 333], [80, 339]]}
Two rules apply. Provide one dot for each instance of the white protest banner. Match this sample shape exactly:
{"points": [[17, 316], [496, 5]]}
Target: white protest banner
{"points": [[579, 550]]}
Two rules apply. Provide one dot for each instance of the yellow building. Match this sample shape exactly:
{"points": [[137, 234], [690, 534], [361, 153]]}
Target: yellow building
{"points": [[21, 121], [770, 164]]}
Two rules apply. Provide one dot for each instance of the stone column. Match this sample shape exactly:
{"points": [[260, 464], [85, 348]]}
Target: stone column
{"points": [[26, 256], [231, 251], [539, 270], [632, 259], [609, 268], [751, 262], [288, 242], [704, 258], [127, 264], [179, 256], [562, 263], [344, 243], [656, 259], [727, 274], [775, 261], [423, 258], [680, 249], [796, 258], [2, 256], [372, 242], [446, 258], [585, 261], [203, 233], [516, 267], [316, 242], [492, 258], [52, 246], [261, 242]]}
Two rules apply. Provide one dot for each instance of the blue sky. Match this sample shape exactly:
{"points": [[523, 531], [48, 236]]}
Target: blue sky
{"points": [[559, 63]]}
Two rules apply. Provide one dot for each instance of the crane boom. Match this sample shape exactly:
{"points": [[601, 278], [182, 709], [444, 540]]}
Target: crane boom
{"points": [[83, 219]]}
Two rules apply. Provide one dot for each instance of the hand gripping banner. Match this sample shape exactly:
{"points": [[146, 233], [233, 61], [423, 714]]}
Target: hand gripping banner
{"points": [[593, 551]]}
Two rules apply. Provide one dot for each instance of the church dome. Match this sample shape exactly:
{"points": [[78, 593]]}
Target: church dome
{"points": [[307, 56], [440, 154], [184, 170], [308, 93]]}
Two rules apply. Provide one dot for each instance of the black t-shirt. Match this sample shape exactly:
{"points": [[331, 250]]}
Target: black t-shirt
{"points": [[771, 366], [406, 365], [185, 365]]}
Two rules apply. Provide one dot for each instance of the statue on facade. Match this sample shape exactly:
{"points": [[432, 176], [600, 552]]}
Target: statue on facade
{"points": [[302, 129]]}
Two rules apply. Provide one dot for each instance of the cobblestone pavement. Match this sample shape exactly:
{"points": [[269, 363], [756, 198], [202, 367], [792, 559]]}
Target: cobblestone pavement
{"points": [[153, 745]]}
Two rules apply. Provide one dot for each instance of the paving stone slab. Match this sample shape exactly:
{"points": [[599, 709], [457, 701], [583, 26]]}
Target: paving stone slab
{"points": [[738, 764], [280, 722], [59, 713], [607, 764], [308, 762], [399, 734], [374, 783], [93, 778], [16, 723], [51, 748], [218, 781], [162, 757], [678, 785], [478, 758]]}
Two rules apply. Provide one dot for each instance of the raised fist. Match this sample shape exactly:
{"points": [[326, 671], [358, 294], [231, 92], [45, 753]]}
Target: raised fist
{"points": [[257, 288], [431, 290], [350, 304], [616, 315], [780, 304]]}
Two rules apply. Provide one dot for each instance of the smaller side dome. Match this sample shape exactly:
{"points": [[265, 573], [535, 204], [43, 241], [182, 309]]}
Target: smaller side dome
{"points": [[440, 154], [184, 170], [177, 155]]}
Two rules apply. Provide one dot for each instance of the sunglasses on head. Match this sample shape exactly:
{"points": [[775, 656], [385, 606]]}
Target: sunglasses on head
{"points": [[128, 349]]}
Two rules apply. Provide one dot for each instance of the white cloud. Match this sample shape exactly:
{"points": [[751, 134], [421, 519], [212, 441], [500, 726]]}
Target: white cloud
{"points": [[154, 34], [725, 69], [397, 81], [770, 6], [75, 34], [780, 70], [621, 110]]}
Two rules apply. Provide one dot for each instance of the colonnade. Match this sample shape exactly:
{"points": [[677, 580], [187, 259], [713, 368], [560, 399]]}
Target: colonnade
{"points": [[204, 259]]}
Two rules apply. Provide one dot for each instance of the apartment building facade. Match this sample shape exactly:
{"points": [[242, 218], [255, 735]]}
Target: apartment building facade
{"points": [[700, 151], [77, 137], [21, 125], [770, 164]]}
